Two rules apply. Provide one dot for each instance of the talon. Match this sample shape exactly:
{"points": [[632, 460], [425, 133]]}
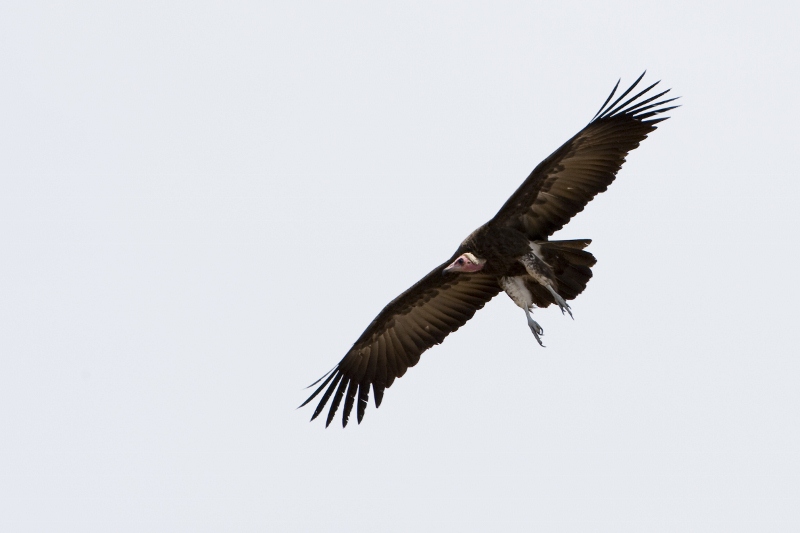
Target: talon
{"points": [[562, 303], [564, 306], [536, 329], [539, 340]]}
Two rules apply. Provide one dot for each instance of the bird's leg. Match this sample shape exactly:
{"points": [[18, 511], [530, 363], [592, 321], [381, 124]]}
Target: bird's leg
{"points": [[535, 328], [541, 272], [562, 303]]}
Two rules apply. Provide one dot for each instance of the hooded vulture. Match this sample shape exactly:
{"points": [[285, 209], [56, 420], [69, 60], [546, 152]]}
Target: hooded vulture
{"points": [[510, 253]]}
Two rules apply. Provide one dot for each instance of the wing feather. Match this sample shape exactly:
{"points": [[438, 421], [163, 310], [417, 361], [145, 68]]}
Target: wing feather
{"points": [[418, 319], [561, 185], [337, 399], [348, 402], [329, 376], [363, 399], [378, 390]]}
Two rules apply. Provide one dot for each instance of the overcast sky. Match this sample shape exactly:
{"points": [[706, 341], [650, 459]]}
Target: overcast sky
{"points": [[202, 206]]}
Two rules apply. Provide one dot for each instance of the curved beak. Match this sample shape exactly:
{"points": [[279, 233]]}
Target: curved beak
{"points": [[469, 263]]}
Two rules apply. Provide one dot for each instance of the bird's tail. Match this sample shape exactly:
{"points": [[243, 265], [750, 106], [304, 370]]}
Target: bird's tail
{"points": [[571, 265]]}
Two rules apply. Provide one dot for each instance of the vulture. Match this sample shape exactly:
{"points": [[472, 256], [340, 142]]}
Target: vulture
{"points": [[511, 253]]}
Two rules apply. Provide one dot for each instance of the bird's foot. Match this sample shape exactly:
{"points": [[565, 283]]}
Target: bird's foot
{"points": [[536, 329], [562, 303]]}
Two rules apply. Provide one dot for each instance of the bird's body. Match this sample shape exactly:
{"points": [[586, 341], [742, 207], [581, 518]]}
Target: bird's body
{"points": [[510, 253], [502, 244]]}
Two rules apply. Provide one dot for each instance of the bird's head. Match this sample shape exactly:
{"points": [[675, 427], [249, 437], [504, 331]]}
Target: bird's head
{"points": [[466, 263]]}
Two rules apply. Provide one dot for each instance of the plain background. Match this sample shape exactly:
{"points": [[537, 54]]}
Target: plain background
{"points": [[204, 204]]}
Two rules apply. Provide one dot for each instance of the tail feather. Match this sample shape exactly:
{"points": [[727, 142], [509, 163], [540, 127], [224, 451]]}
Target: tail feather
{"points": [[571, 265]]}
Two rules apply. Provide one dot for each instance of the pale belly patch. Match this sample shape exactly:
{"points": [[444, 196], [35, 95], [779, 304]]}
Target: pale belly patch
{"points": [[515, 287]]}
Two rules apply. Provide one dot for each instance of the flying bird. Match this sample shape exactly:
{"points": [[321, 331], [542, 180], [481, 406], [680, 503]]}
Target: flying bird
{"points": [[510, 253]]}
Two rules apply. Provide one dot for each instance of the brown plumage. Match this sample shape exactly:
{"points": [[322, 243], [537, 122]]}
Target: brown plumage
{"points": [[511, 252]]}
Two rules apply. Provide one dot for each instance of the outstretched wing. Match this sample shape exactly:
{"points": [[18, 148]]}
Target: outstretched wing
{"points": [[422, 316], [561, 185]]}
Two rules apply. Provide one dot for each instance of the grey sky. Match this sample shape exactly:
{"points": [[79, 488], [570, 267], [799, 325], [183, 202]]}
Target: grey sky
{"points": [[202, 205]]}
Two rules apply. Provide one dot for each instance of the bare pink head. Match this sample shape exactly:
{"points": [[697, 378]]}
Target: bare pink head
{"points": [[466, 263]]}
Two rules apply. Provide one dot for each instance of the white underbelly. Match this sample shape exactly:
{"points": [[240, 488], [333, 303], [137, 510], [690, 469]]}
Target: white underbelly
{"points": [[515, 287]]}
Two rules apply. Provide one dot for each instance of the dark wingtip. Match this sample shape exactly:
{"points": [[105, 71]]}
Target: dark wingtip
{"points": [[363, 398], [608, 110], [337, 399], [635, 107], [324, 400], [378, 390], [314, 394], [656, 112], [610, 96], [323, 377], [348, 402]]}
